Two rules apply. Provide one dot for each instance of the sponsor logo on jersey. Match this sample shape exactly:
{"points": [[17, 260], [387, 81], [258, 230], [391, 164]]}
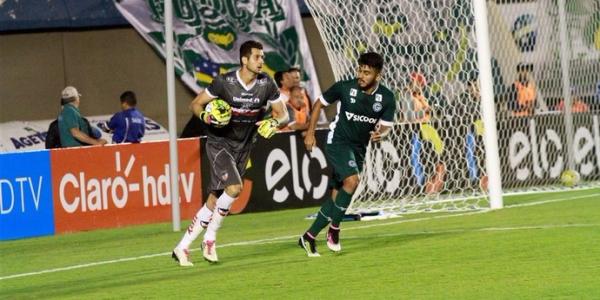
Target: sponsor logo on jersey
{"points": [[231, 79], [224, 176], [352, 100], [377, 107], [246, 100], [378, 97], [360, 118], [353, 92]]}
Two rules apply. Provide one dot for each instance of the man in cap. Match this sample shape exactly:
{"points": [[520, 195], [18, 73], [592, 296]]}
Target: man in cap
{"points": [[72, 127]]}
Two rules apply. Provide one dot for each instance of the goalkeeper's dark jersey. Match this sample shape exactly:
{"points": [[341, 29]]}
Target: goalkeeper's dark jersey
{"points": [[248, 104], [358, 112]]}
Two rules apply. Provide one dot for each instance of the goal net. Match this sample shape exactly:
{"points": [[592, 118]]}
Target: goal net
{"points": [[435, 158]]}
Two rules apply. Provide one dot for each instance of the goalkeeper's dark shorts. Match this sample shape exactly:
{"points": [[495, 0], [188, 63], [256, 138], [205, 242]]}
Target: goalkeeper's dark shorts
{"points": [[345, 160], [226, 166]]}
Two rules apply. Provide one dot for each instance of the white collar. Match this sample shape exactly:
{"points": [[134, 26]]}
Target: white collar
{"points": [[247, 88]]}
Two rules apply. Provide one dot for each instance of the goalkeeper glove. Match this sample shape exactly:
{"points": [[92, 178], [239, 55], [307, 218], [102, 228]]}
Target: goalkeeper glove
{"points": [[207, 118], [267, 128]]}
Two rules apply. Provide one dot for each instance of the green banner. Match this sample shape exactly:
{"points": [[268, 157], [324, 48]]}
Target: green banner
{"points": [[208, 34]]}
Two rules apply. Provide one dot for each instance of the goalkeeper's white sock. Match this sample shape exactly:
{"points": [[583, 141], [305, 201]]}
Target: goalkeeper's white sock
{"points": [[200, 221], [223, 204]]}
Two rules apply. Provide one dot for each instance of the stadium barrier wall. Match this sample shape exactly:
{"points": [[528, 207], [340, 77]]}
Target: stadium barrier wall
{"points": [[119, 185], [281, 174], [536, 153], [56, 191]]}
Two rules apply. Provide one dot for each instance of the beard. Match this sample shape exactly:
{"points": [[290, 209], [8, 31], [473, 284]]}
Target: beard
{"points": [[368, 86]]}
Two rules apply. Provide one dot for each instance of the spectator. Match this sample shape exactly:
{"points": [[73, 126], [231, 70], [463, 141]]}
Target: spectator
{"points": [[522, 93], [127, 126], [469, 102], [417, 109], [577, 105], [73, 128], [297, 110], [278, 77], [291, 78]]}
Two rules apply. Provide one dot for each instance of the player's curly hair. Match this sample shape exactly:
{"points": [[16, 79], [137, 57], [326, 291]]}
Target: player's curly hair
{"points": [[371, 59]]}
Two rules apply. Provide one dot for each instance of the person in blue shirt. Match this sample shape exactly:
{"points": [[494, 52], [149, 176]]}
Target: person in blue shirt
{"points": [[127, 126]]}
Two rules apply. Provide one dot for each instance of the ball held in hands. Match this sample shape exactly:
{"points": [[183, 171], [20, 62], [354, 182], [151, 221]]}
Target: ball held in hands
{"points": [[216, 113]]}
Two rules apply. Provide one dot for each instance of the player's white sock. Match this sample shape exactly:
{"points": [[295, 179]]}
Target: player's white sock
{"points": [[223, 204], [200, 221]]}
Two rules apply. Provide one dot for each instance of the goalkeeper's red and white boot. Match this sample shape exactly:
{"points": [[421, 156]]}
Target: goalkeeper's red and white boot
{"points": [[209, 250], [333, 239], [182, 256]]}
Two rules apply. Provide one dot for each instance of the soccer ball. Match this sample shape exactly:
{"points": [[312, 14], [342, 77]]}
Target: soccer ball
{"points": [[219, 111], [570, 178]]}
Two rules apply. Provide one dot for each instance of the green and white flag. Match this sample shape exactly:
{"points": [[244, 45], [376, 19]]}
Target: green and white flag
{"points": [[208, 34]]}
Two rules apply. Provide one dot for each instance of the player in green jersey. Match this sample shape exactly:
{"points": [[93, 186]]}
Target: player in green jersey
{"points": [[366, 113]]}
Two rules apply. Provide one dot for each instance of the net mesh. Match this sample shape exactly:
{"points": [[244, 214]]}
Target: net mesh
{"points": [[435, 158]]}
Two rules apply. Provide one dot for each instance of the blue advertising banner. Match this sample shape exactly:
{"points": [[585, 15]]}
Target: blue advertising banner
{"points": [[25, 195]]}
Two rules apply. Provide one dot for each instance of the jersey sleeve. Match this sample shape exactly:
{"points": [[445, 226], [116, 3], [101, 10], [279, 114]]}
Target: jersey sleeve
{"points": [[274, 94], [334, 93], [216, 87], [389, 112]]}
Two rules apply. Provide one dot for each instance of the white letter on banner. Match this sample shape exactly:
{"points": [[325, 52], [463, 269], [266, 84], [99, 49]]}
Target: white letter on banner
{"points": [[272, 179], [537, 169], [20, 180], [12, 198], [391, 185], [558, 164], [68, 207], [596, 128], [581, 150], [187, 184], [36, 195], [319, 190], [516, 158], [94, 196], [298, 191], [119, 182]]}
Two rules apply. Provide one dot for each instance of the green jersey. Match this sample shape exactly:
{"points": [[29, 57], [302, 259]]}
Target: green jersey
{"points": [[358, 112]]}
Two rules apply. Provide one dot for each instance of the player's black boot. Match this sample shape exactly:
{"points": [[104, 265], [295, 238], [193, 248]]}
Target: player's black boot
{"points": [[309, 245]]}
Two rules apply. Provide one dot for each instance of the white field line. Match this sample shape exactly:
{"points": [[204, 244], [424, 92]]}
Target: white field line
{"points": [[286, 238]]}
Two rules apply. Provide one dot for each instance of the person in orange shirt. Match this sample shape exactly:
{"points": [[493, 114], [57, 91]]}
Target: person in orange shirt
{"points": [[289, 79], [577, 106], [421, 111], [297, 110], [523, 92]]}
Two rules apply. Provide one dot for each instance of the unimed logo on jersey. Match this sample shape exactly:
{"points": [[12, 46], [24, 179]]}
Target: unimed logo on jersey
{"points": [[117, 185], [360, 118]]}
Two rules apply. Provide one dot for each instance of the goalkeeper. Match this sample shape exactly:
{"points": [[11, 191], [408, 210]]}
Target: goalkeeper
{"points": [[365, 113], [231, 136]]}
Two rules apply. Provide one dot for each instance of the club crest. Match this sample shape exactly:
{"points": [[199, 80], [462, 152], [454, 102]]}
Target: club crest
{"points": [[377, 107]]}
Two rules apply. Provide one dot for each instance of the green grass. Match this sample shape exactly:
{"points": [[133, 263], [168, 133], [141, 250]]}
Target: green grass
{"points": [[549, 250]]}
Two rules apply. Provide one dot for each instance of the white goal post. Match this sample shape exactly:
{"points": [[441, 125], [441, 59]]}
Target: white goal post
{"points": [[540, 52]]}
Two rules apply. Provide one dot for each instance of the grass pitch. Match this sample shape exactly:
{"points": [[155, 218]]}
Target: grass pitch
{"points": [[539, 246]]}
